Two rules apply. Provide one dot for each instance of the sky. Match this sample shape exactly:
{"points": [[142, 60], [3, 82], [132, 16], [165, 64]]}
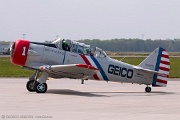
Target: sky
{"points": [[42, 20]]}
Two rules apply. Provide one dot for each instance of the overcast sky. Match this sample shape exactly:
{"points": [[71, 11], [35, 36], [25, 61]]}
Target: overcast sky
{"points": [[42, 20]]}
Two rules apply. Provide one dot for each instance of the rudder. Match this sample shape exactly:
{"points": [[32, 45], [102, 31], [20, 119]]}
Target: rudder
{"points": [[162, 66]]}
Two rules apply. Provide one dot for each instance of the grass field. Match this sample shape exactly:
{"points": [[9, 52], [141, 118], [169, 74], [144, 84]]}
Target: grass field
{"points": [[7, 69]]}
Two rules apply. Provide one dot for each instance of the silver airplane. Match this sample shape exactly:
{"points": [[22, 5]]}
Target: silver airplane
{"points": [[71, 59]]}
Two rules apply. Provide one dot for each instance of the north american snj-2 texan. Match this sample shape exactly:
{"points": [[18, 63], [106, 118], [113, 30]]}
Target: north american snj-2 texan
{"points": [[71, 59]]}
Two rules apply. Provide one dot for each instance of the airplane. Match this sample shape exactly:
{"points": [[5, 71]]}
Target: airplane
{"points": [[74, 61]]}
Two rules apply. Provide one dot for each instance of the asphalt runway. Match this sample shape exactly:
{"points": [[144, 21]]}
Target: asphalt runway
{"points": [[67, 99]]}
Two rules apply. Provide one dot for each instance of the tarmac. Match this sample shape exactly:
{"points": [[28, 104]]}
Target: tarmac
{"points": [[67, 99]]}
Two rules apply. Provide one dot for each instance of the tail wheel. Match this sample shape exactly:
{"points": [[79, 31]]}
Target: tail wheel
{"points": [[30, 85], [41, 87], [148, 89]]}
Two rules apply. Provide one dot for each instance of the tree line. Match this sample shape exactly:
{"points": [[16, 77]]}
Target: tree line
{"points": [[134, 45]]}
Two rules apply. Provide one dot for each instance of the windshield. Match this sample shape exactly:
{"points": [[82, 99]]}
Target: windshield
{"points": [[77, 47], [57, 43], [99, 53]]}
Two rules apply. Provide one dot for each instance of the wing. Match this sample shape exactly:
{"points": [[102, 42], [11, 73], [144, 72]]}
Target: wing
{"points": [[76, 71]]}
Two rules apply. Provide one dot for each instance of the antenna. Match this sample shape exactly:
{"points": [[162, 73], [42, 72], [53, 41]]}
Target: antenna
{"points": [[24, 36]]}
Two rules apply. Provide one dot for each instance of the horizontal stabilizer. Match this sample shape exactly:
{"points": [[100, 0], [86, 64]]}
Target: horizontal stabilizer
{"points": [[145, 70], [149, 71]]}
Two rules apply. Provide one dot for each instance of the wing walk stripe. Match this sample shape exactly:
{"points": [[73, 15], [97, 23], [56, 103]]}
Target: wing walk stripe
{"points": [[100, 68]]}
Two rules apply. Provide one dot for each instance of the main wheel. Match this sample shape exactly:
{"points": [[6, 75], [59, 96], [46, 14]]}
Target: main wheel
{"points": [[30, 85], [148, 89], [41, 87]]}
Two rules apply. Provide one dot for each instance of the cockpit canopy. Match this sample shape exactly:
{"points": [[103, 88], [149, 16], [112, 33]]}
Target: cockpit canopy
{"points": [[78, 47]]}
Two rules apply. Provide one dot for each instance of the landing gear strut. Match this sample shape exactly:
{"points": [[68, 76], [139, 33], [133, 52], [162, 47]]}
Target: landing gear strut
{"points": [[82, 81], [148, 89]]}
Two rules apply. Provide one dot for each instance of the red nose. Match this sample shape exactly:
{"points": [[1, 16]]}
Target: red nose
{"points": [[19, 52]]}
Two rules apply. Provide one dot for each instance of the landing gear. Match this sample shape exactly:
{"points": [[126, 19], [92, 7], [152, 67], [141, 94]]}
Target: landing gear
{"points": [[32, 81], [34, 75], [82, 81], [30, 85], [148, 89], [41, 87]]}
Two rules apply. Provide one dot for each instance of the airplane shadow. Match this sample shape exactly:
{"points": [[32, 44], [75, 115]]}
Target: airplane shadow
{"points": [[73, 92], [153, 93], [105, 94]]}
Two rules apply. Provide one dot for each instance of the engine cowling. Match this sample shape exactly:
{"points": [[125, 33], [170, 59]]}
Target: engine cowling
{"points": [[19, 51]]}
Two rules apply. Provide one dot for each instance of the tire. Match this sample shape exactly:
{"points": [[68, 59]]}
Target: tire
{"points": [[30, 85], [148, 89], [41, 87]]}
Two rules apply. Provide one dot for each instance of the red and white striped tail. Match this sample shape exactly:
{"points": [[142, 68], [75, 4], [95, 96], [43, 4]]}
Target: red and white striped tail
{"points": [[162, 66]]}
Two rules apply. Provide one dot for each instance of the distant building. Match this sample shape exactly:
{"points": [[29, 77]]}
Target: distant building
{"points": [[4, 47]]}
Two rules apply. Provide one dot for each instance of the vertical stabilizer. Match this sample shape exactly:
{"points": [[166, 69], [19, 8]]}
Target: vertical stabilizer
{"points": [[158, 61]]}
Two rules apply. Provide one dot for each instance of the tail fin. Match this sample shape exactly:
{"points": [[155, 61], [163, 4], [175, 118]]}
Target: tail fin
{"points": [[158, 61]]}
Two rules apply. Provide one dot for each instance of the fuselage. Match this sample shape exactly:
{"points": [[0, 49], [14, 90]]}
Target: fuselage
{"points": [[110, 69]]}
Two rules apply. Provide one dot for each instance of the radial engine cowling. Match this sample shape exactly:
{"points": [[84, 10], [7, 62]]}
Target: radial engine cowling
{"points": [[19, 52]]}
